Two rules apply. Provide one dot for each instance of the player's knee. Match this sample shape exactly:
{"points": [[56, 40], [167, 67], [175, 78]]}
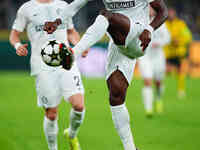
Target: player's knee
{"points": [[77, 102], [79, 107], [158, 83], [117, 95], [147, 82], [51, 113]]}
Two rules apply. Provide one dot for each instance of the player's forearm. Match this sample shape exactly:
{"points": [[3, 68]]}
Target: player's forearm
{"points": [[92, 35], [162, 13], [73, 8], [14, 38]]}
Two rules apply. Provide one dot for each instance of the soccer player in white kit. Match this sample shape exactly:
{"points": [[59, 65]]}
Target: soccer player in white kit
{"points": [[52, 83], [152, 67], [128, 25]]}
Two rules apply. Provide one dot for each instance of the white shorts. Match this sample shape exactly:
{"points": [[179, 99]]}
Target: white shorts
{"points": [[123, 58], [152, 68], [52, 85], [118, 61]]}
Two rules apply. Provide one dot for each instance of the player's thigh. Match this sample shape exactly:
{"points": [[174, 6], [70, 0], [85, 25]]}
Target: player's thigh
{"points": [[48, 89], [145, 67], [118, 61], [71, 83]]}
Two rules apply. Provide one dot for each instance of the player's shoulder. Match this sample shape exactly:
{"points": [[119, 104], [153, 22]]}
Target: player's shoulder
{"points": [[180, 23], [26, 6]]}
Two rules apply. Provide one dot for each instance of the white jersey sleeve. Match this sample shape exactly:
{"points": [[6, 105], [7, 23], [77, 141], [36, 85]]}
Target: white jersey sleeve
{"points": [[21, 20], [72, 9]]}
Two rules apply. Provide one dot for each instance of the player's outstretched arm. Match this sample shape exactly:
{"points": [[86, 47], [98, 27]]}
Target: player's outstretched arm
{"points": [[73, 8], [21, 49], [93, 34], [162, 13]]}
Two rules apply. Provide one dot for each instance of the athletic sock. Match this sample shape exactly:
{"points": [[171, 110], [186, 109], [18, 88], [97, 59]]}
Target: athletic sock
{"points": [[51, 131], [147, 93], [181, 83], [159, 92], [121, 121], [93, 34], [76, 119]]}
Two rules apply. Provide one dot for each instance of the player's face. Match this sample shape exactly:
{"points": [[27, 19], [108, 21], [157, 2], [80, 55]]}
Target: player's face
{"points": [[172, 14], [44, 1]]}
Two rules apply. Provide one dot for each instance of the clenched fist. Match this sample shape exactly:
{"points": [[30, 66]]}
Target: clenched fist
{"points": [[145, 38], [22, 50], [51, 27]]}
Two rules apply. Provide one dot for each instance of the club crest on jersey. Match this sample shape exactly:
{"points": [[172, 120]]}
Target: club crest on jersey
{"points": [[119, 5]]}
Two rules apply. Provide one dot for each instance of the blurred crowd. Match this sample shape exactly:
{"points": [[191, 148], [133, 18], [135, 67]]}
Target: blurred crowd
{"points": [[187, 10]]}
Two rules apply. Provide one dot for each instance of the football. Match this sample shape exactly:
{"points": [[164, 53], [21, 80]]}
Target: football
{"points": [[50, 53]]}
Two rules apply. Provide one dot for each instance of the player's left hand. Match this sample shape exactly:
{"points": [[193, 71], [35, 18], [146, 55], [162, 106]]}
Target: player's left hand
{"points": [[145, 38], [51, 27], [85, 53]]}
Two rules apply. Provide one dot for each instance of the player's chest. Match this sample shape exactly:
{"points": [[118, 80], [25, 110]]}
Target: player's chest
{"points": [[174, 31], [39, 15], [121, 4]]}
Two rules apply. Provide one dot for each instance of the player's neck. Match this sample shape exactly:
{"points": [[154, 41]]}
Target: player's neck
{"points": [[44, 1]]}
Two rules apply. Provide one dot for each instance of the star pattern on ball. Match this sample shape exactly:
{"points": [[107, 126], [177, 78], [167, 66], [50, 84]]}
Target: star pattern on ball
{"points": [[54, 55], [42, 52], [52, 43]]}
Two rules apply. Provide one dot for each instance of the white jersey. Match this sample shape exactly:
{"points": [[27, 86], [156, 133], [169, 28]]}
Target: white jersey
{"points": [[31, 16], [138, 10], [161, 37]]}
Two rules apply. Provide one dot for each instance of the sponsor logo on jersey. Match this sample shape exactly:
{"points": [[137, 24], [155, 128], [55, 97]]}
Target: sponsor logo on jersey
{"points": [[39, 28], [119, 5]]}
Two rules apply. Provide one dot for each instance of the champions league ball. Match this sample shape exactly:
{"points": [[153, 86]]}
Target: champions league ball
{"points": [[50, 53]]}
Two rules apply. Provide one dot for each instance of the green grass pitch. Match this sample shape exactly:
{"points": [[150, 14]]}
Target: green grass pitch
{"points": [[21, 120]]}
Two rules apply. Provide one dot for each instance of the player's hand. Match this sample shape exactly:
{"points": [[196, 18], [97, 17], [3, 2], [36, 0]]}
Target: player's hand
{"points": [[85, 53], [22, 50], [51, 27], [145, 38]]}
